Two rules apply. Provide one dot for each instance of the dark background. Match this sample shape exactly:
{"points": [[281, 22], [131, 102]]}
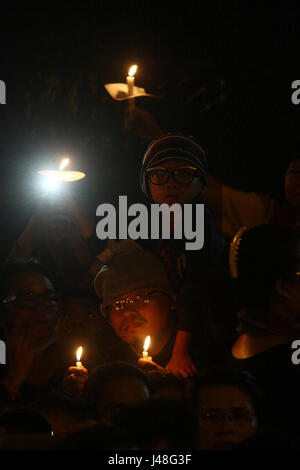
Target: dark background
{"points": [[223, 74]]}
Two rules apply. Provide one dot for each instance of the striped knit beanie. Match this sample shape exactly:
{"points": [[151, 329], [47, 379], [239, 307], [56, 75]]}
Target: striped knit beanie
{"points": [[169, 147]]}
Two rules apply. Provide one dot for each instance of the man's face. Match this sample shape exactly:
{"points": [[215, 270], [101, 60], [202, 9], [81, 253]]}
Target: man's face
{"points": [[35, 303], [226, 417], [292, 184], [173, 192], [143, 313]]}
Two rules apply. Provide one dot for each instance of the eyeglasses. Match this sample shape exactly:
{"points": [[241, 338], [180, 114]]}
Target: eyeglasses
{"points": [[132, 302], [237, 416], [31, 299], [181, 175]]}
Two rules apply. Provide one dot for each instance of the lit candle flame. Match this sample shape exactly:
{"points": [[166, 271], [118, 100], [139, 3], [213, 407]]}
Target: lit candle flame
{"points": [[147, 343], [79, 353], [64, 163], [132, 70]]}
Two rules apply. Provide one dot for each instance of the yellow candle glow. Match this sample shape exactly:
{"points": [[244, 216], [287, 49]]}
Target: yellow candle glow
{"points": [[64, 163], [146, 357], [78, 356]]}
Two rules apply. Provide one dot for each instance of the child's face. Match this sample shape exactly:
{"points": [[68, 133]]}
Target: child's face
{"points": [[172, 192], [140, 319]]}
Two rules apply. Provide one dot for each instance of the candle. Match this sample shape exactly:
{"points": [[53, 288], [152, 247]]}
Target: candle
{"points": [[78, 357], [55, 176], [130, 85], [146, 357]]}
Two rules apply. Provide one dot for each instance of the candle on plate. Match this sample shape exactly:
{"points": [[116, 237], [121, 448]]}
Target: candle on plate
{"points": [[78, 357], [53, 177], [130, 84]]}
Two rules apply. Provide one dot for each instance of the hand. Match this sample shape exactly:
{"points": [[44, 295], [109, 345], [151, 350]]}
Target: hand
{"points": [[144, 124], [148, 365], [20, 355], [74, 380], [181, 364]]}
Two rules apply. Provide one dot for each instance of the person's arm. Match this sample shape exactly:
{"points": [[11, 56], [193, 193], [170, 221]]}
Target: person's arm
{"points": [[233, 208], [181, 362], [143, 124]]}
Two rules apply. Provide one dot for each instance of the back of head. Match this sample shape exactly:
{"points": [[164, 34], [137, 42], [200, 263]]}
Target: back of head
{"points": [[104, 374], [98, 437], [24, 421], [161, 423]]}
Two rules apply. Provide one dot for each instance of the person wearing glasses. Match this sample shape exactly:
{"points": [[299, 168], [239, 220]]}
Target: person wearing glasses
{"points": [[174, 170], [228, 405], [137, 300], [28, 317]]}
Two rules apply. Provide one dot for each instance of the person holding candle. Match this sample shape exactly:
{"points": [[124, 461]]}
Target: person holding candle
{"points": [[60, 236], [137, 301]]}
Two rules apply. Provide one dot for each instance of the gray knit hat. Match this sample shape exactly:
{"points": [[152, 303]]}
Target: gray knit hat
{"points": [[130, 271]]}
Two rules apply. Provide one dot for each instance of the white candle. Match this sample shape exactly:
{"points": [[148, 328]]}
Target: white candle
{"points": [[146, 357], [130, 84], [78, 357]]}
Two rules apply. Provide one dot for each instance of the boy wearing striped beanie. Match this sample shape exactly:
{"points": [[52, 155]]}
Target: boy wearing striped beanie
{"points": [[174, 170]]}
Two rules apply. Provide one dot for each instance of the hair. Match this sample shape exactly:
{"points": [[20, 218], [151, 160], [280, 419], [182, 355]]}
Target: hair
{"points": [[265, 253], [24, 421], [220, 376], [17, 266], [103, 374], [295, 156], [77, 407], [161, 419]]}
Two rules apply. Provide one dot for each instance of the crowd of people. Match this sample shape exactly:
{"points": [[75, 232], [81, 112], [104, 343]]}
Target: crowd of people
{"points": [[218, 373]]}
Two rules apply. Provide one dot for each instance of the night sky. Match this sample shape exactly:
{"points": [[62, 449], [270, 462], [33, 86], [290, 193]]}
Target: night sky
{"points": [[222, 75]]}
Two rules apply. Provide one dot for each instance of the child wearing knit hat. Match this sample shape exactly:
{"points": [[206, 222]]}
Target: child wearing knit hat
{"points": [[174, 170]]}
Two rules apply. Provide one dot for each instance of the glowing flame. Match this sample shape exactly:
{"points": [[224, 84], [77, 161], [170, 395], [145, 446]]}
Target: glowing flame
{"points": [[64, 163], [132, 70], [147, 343], [78, 353]]}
